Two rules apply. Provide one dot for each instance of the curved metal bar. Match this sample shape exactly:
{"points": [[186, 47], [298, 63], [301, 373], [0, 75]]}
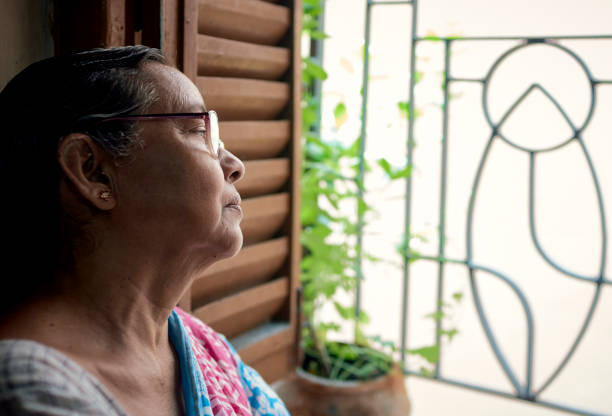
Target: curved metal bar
{"points": [[528, 315], [600, 280], [483, 320], [533, 232], [592, 81], [491, 338], [519, 100], [604, 227], [503, 56], [571, 351], [487, 80], [468, 231]]}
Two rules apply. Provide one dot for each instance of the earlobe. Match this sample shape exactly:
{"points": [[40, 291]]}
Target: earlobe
{"points": [[82, 162]]}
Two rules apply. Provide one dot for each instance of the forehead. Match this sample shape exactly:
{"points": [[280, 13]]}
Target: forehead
{"points": [[176, 92]]}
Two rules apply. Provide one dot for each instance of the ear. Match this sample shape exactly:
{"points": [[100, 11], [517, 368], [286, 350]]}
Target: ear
{"points": [[83, 164]]}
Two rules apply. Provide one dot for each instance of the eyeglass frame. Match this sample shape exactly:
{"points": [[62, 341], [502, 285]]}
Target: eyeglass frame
{"points": [[207, 116]]}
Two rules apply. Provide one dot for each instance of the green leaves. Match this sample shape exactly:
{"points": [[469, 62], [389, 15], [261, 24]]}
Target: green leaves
{"points": [[340, 110], [348, 313], [345, 312], [393, 172], [430, 353], [351, 362], [418, 76], [332, 177], [317, 34], [402, 249], [432, 38], [450, 333], [310, 110], [340, 114], [404, 107], [436, 316], [312, 70], [310, 23]]}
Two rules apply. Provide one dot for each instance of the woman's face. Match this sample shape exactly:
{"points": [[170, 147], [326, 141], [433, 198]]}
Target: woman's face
{"points": [[174, 193]]}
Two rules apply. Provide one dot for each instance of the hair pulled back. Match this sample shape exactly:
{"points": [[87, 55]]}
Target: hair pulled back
{"points": [[43, 103]]}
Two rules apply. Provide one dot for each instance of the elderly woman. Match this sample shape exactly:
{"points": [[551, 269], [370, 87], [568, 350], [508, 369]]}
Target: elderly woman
{"points": [[117, 194]]}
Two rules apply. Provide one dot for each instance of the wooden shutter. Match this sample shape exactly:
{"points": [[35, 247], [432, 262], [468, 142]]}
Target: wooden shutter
{"points": [[247, 59], [244, 56]]}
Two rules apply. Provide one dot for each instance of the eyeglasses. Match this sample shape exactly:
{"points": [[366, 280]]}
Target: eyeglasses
{"points": [[211, 123]]}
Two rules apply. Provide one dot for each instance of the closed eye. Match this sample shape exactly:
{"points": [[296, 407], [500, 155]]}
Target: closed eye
{"points": [[201, 131]]}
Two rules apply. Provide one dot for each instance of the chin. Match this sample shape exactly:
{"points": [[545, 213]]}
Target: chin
{"points": [[231, 245], [237, 246]]}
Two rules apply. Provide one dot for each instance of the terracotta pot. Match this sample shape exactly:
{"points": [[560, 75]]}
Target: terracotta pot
{"points": [[308, 395]]}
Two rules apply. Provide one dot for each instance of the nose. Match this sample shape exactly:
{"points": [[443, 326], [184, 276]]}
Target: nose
{"points": [[233, 168]]}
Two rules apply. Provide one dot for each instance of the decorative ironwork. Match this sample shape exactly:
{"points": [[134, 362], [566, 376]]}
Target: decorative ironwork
{"points": [[525, 391]]}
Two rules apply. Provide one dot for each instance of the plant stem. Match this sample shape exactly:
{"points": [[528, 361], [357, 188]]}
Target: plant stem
{"points": [[321, 350]]}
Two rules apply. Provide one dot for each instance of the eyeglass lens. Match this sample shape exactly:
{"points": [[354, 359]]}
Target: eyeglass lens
{"points": [[213, 128]]}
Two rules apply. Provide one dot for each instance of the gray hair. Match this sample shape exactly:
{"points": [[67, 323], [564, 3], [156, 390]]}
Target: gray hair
{"points": [[43, 103]]}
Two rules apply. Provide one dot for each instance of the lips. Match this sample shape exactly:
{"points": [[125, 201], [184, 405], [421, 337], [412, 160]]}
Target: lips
{"points": [[234, 203], [235, 200]]}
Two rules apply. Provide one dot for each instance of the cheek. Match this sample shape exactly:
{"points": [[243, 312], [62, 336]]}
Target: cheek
{"points": [[179, 195], [206, 185], [200, 190]]}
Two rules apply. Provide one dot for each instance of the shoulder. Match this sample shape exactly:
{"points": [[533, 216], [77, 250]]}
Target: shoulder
{"points": [[38, 380]]}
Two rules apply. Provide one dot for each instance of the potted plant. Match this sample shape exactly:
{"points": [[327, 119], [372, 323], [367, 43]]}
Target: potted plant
{"points": [[359, 376]]}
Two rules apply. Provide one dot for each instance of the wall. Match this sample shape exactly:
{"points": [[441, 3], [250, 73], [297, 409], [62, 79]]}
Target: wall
{"points": [[25, 33]]}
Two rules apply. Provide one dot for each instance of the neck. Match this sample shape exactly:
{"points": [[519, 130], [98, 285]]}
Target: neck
{"points": [[116, 307]]}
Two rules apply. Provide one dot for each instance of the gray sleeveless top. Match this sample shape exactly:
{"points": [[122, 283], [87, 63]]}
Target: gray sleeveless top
{"points": [[39, 380]]}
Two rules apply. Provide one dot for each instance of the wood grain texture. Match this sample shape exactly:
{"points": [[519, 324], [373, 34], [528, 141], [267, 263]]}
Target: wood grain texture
{"points": [[295, 227], [255, 139], [263, 177], [253, 265], [260, 349], [189, 54], [253, 21], [115, 15], [263, 217], [244, 99], [277, 365], [245, 310], [172, 31], [269, 348], [230, 58]]}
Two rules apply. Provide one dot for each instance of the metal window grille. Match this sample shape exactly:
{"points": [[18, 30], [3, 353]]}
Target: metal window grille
{"points": [[526, 390]]}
